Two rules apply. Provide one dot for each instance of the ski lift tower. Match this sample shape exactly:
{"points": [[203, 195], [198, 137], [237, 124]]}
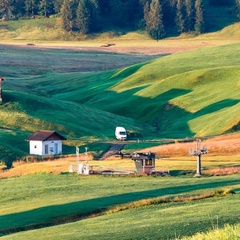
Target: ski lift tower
{"points": [[198, 152], [1, 80]]}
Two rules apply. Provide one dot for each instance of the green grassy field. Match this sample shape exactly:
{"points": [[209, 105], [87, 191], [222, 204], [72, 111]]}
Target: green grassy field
{"points": [[40, 200], [183, 95], [84, 96], [27, 108]]}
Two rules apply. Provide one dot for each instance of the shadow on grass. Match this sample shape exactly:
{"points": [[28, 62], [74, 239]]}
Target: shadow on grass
{"points": [[175, 173], [158, 111], [216, 107], [74, 211]]}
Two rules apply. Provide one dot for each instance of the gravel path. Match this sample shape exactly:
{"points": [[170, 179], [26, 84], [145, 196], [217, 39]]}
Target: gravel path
{"points": [[114, 148]]}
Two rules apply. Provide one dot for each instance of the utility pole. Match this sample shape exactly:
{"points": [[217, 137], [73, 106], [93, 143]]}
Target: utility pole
{"points": [[77, 154], [1, 80], [86, 155]]}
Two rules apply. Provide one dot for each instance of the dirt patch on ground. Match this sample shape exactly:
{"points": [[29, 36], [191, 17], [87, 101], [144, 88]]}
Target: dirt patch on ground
{"points": [[114, 148], [149, 47], [217, 146]]}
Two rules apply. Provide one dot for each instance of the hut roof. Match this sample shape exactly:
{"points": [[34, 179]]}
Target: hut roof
{"points": [[45, 135]]}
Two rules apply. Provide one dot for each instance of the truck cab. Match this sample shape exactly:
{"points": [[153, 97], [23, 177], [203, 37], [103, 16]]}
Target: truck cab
{"points": [[121, 133]]}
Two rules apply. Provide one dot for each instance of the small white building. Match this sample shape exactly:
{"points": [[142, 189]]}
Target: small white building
{"points": [[45, 143]]}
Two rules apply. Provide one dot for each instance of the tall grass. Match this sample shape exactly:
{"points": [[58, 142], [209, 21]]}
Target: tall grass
{"points": [[228, 232]]}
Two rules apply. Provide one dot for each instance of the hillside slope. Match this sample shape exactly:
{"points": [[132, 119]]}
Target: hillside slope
{"points": [[27, 105], [183, 95]]}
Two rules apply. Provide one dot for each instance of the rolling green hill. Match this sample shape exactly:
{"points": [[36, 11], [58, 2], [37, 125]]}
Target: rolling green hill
{"points": [[183, 95], [27, 96]]}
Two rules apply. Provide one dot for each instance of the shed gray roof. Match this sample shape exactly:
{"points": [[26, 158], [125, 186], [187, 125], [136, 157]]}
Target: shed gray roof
{"points": [[45, 135]]}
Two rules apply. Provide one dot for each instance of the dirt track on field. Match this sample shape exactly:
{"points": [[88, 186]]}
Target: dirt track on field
{"points": [[149, 47], [114, 148]]}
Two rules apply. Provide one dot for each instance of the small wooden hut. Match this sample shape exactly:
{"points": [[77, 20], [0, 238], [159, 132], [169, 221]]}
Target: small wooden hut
{"points": [[144, 162]]}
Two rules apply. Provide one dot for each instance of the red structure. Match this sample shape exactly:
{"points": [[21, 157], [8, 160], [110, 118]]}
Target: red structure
{"points": [[144, 162], [1, 79]]}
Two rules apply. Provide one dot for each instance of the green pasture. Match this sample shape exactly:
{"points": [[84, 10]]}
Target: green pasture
{"points": [[27, 108], [34, 30], [85, 95], [41, 200], [182, 95]]}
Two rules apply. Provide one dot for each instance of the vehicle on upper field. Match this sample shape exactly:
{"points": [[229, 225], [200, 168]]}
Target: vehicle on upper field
{"points": [[121, 133]]}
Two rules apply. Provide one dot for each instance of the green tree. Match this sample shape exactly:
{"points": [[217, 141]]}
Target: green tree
{"points": [[18, 8], [154, 20], [57, 5], [169, 13], [6, 9], [181, 16], [46, 7], [146, 10], [238, 9], [87, 16], [190, 11], [7, 156], [199, 20], [104, 6], [119, 13], [124, 13], [31, 7], [67, 16], [83, 17], [220, 3], [95, 15]]}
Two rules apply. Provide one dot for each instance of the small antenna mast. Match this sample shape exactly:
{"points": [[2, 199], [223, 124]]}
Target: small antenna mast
{"points": [[77, 154], [1, 79], [86, 154]]}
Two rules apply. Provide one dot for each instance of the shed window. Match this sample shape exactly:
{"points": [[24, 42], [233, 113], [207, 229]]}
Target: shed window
{"points": [[148, 162], [51, 150], [46, 149]]}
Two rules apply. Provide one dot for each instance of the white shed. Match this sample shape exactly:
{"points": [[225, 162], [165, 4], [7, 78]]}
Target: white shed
{"points": [[45, 143]]}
